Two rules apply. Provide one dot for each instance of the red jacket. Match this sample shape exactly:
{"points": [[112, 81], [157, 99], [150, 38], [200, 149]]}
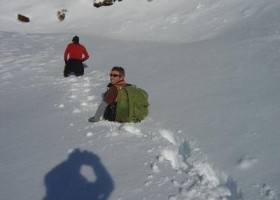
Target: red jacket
{"points": [[76, 51]]}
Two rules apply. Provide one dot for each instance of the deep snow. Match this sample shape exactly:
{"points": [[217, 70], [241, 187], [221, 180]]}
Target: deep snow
{"points": [[211, 69]]}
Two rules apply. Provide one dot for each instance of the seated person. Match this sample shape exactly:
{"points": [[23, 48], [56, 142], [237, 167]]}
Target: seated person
{"points": [[107, 108]]}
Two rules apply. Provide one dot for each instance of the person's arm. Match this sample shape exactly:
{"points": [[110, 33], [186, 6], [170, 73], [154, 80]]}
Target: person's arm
{"points": [[66, 53], [109, 98], [86, 55], [99, 112]]}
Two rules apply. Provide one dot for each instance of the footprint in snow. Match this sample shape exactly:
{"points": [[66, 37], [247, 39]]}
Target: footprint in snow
{"points": [[76, 111], [246, 163], [90, 98], [265, 190]]}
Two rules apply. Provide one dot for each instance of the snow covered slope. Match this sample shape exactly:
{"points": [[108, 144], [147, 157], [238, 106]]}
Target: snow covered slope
{"points": [[211, 69], [158, 20]]}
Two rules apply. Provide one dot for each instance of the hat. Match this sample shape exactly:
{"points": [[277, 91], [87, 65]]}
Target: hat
{"points": [[75, 39]]}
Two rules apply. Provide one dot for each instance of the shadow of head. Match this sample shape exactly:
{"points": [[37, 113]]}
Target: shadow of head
{"points": [[81, 177]]}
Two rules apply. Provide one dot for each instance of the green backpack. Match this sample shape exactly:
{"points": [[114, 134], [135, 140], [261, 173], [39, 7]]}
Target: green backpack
{"points": [[132, 104]]}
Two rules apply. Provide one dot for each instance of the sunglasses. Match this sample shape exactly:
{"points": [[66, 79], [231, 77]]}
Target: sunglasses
{"points": [[115, 75]]}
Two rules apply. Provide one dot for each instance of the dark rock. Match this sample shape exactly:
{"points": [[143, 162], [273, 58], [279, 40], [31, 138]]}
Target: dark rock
{"points": [[104, 3], [23, 18], [61, 14]]}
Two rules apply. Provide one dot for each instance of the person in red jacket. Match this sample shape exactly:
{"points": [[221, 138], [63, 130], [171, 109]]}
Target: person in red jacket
{"points": [[74, 56]]}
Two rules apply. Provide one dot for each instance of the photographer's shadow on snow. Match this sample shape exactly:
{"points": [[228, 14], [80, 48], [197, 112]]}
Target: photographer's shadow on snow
{"points": [[81, 177]]}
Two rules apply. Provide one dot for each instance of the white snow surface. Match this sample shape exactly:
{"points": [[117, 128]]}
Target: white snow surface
{"points": [[212, 72]]}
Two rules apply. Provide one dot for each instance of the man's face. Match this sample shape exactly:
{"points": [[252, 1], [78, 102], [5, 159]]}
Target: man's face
{"points": [[115, 77]]}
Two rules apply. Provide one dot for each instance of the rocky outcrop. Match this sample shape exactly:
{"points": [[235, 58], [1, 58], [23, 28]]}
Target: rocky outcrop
{"points": [[61, 14], [23, 18], [99, 3]]}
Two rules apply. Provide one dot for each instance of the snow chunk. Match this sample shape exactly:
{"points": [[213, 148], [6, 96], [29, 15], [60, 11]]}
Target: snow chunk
{"points": [[168, 135], [89, 134], [208, 173], [132, 129], [246, 163], [172, 157]]}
